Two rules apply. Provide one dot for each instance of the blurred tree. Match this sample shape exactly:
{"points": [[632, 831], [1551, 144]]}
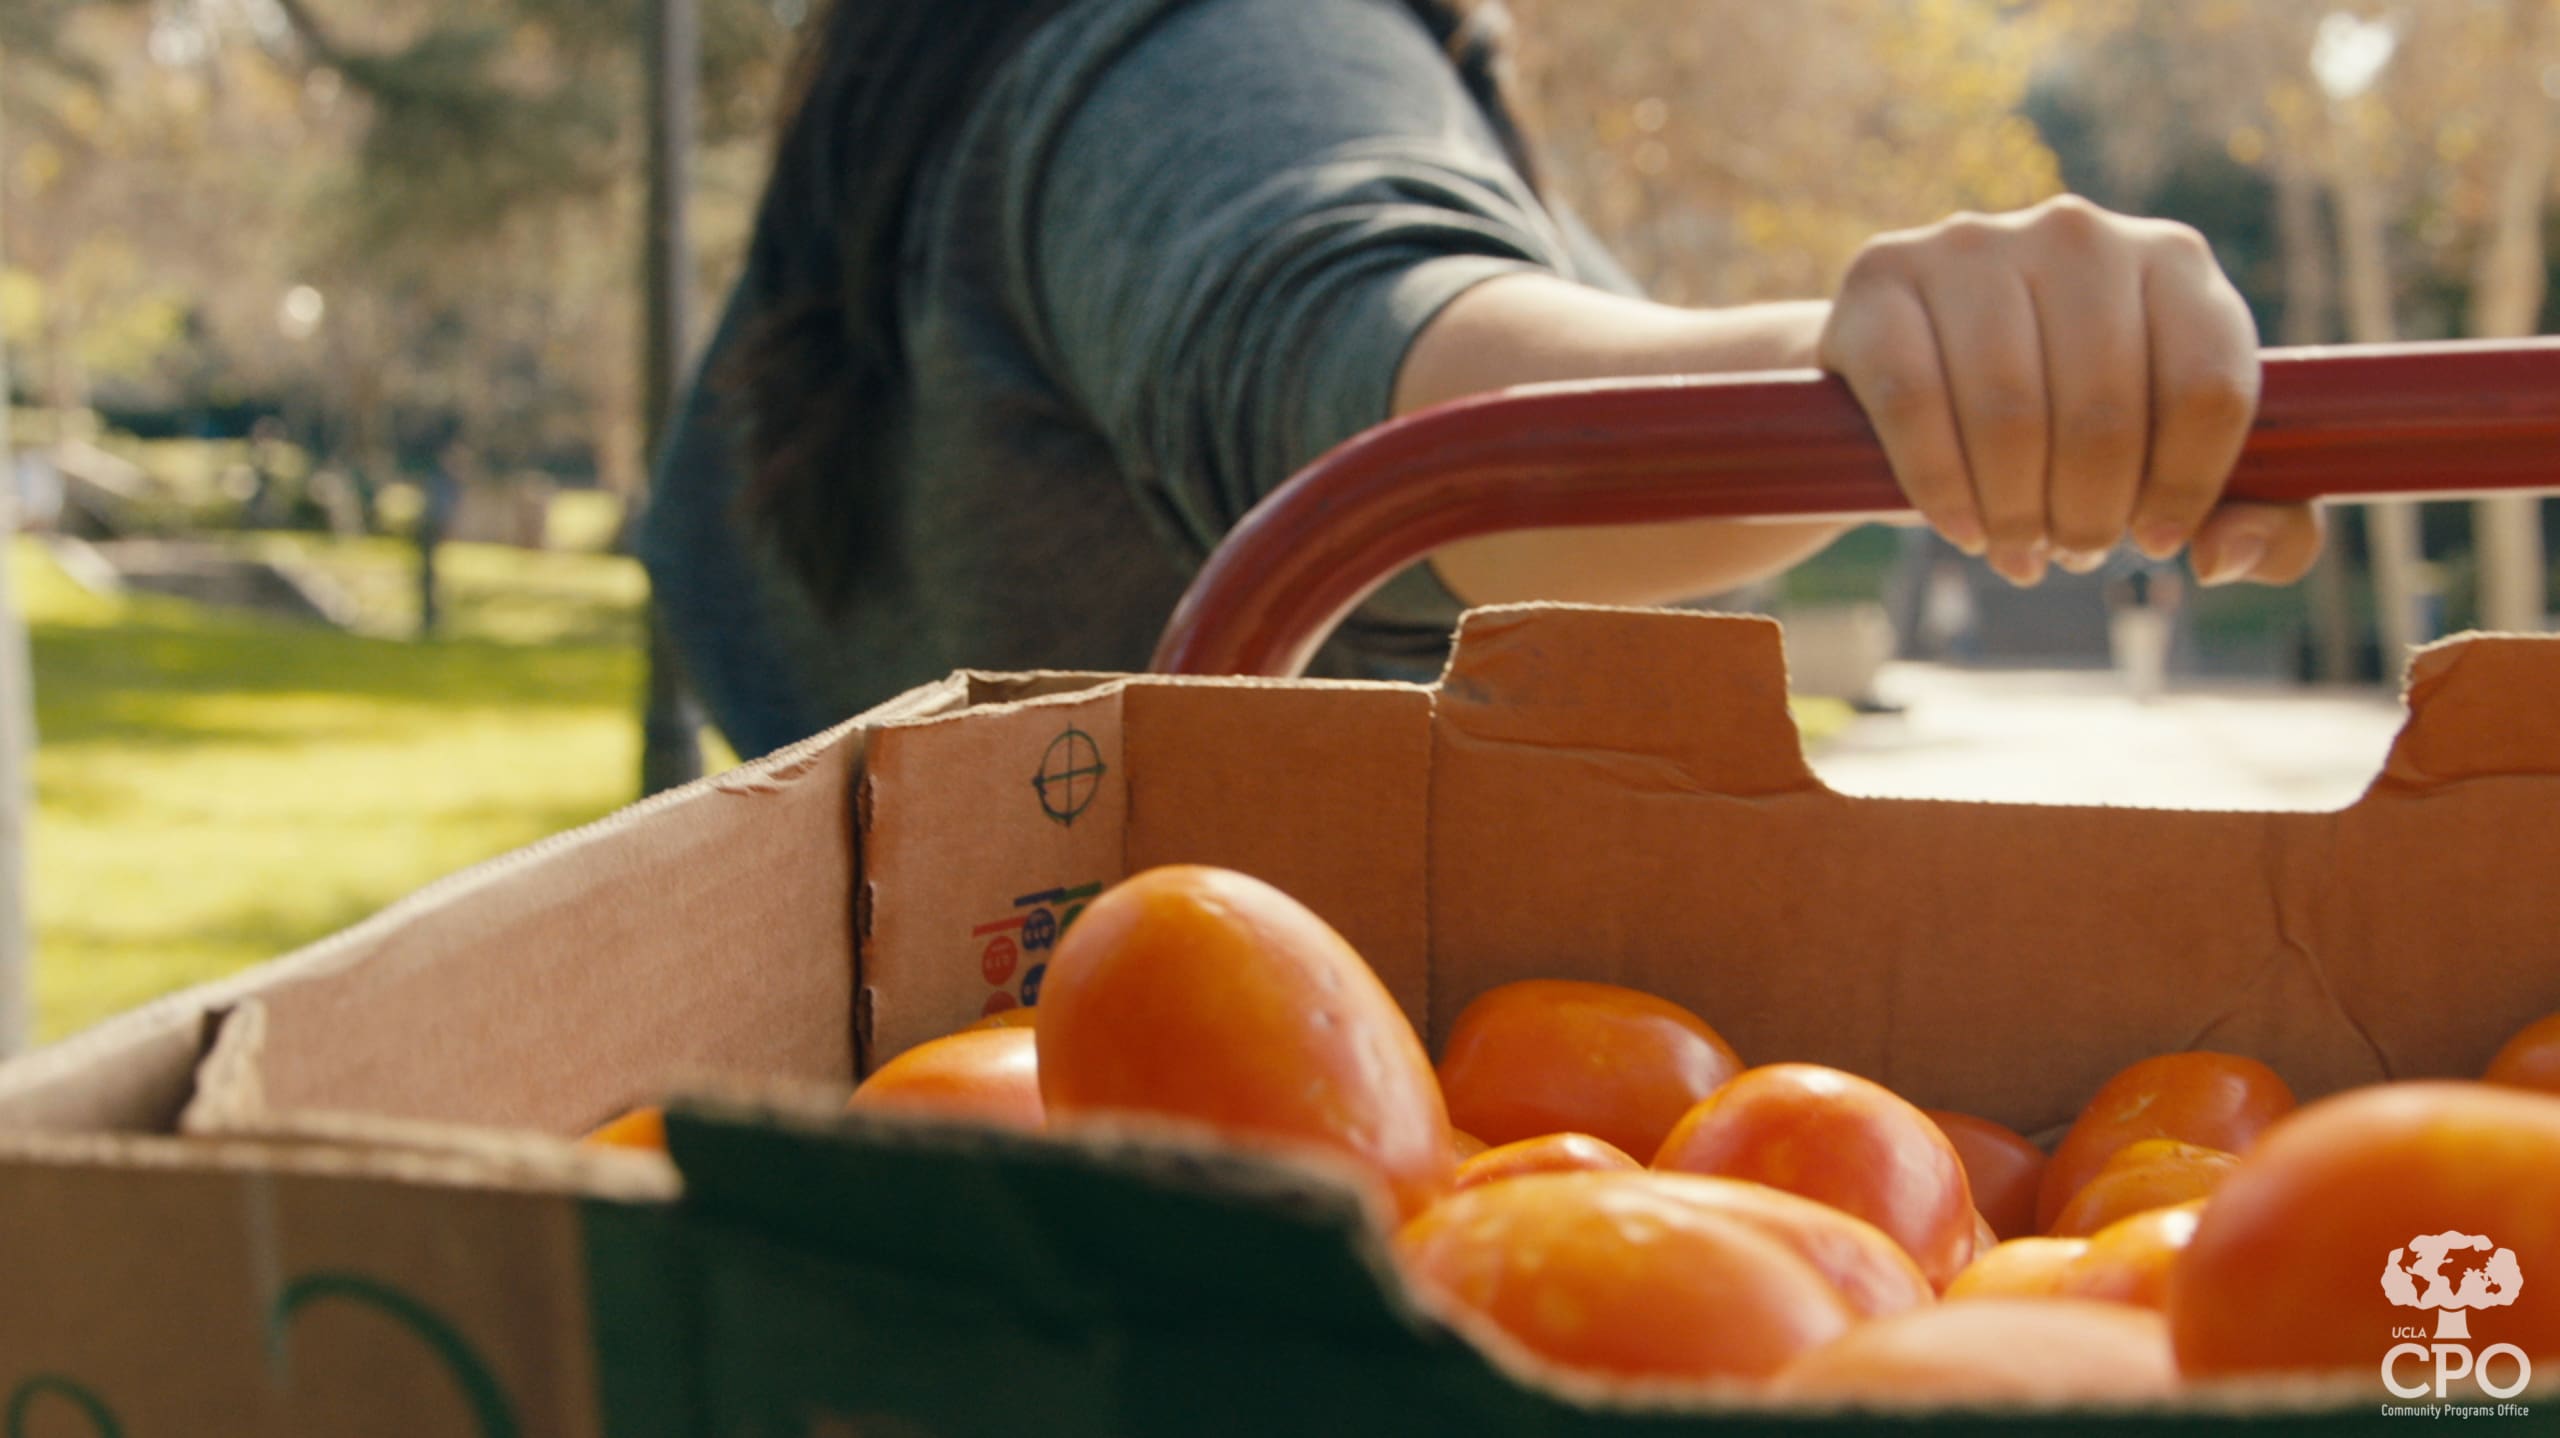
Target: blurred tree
{"points": [[2508, 280], [424, 214], [28, 40], [103, 263], [461, 200], [1731, 150], [521, 111], [2427, 147], [504, 149]]}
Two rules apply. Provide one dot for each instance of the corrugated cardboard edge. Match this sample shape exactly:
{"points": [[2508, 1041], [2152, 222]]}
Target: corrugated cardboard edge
{"points": [[136, 1073], [229, 1107], [954, 779], [371, 1150], [132, 1073], [229, 1093], [2462, 719]]}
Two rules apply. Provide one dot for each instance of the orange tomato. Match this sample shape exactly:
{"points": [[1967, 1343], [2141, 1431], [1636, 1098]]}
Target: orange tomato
{"points": [[2020, 1268], [2150, 1173], [1623, 1274], [2531, 1059], [1017, 1017], [2128, 1261], [2308, 1256], [2216, 1100], [644, 1128], [1991, 1351], [1868, 1268], [1465, 1145], [1203, 995], [1561, 1056], [1552, 1153], [984, 1075], [1842, 1140], [2001, 1166]]}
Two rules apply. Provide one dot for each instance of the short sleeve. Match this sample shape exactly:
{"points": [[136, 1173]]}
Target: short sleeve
{"points": [[1231, 219]]}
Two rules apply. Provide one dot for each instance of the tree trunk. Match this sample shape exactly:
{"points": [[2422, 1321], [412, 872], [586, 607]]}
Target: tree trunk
{"points": [[622, 462], [362, 345], [2391, 530], [17, 733], [2309, 293], [66, 384], [2506, 301], [670, 726]]}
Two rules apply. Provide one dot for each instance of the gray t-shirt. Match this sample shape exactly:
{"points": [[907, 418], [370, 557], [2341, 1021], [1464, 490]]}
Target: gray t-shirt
{"points": [[1177, 250]]}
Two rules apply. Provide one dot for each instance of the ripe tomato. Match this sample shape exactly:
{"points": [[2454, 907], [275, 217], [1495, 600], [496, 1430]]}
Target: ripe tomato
{"points": [[2128, 1261], [986, 1075], [2531, 1059], [1207, 996], [2306, 1260], [2149, 1173], [1868, 1268], [1560, 1056], [2216, 1100], [2020, 1268], [1551, 1153], [1621, 1273], [1991, 1351], [1843, 1140], [2002, 1167], [644, 1128]]}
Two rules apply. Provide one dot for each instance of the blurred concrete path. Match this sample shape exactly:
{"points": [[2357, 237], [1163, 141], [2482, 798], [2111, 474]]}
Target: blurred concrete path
{"points": [[2080, 737]]}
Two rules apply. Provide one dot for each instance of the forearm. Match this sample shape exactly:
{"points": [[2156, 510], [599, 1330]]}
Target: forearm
{"points": [[1534, 328]]}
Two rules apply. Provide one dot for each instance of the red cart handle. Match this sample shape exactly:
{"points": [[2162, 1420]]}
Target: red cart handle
{"points": [[2351, 422]]}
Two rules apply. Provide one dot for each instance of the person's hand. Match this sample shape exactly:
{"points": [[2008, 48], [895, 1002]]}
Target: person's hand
{"points": [[2050, 382]]}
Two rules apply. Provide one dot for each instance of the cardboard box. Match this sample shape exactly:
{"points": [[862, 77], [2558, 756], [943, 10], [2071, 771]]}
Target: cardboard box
{"points": [[332, 1195]]}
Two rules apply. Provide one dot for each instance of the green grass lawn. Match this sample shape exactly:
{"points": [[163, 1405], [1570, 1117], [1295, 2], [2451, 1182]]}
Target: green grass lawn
{"points": [[213, 790]]}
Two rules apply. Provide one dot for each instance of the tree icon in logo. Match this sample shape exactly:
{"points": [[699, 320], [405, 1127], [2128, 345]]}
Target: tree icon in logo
{"points": [[1070, 775], [2493, 1283]]}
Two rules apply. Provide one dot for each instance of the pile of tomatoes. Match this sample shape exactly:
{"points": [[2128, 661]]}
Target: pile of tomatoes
{"points": [[1592, 1179]]}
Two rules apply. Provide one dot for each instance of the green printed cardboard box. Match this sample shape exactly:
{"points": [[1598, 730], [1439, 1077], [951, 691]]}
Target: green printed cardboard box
{"points": [[336, 1195]]}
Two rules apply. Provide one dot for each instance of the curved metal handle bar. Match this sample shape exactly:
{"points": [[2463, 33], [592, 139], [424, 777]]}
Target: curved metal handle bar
{"points": [[2351, 422]]}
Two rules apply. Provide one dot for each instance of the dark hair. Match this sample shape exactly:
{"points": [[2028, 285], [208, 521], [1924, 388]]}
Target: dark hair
{"points": [[816, 375]]}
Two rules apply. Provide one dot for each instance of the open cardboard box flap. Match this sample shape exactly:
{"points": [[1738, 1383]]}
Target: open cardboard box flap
{"points": [[708, 931], [1621, 795], [1598, 793], [1623, 798]]}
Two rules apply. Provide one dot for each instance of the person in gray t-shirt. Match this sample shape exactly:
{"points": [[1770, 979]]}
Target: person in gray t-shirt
{"points": [[1045, 294]]}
